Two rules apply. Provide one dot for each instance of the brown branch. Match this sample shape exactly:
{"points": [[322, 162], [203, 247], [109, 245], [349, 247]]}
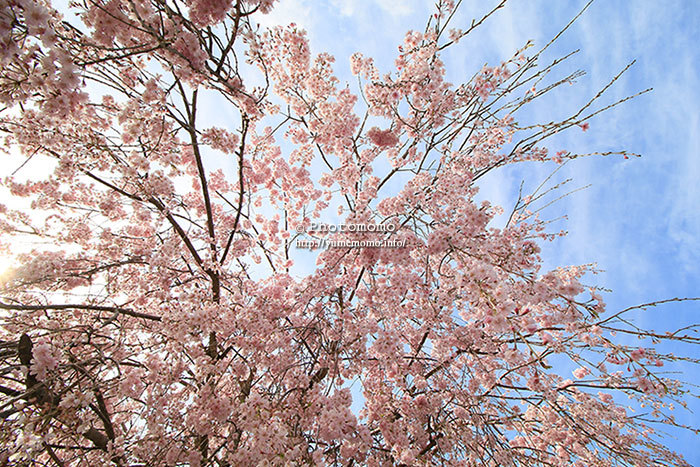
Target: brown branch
{"points": [[112, 309]]}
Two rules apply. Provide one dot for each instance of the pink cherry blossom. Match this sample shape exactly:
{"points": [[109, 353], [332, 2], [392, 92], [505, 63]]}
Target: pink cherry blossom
{"points": [[382, 138], [161, 314]]}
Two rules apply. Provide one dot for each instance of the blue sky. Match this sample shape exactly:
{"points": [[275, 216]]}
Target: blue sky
{"points": [[638, 221]]}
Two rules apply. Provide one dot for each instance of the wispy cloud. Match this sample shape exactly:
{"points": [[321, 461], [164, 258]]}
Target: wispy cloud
{"points": [[393, 8], [300, 12]]}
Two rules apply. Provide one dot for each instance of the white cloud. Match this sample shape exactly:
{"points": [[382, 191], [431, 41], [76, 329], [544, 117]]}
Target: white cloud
{"points": [[289, 11], [395, 8]]}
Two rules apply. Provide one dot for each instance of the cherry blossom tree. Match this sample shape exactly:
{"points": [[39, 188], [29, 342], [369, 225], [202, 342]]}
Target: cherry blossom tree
{"points": [[157, 318]]}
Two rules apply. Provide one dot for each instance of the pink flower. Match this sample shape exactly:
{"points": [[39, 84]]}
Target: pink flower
{"points": [[637, 354], [382, 138], [44, 360]]}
